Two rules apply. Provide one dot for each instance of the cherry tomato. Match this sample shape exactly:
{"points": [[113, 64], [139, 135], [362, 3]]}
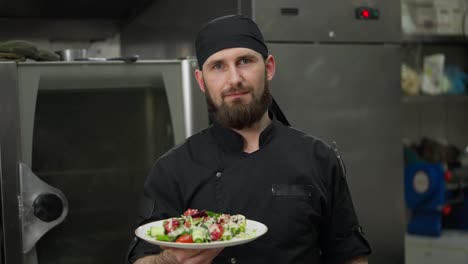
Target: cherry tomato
{"points": [[185, 238]]}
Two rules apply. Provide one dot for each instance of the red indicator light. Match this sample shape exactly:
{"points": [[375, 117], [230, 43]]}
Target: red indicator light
{"points": [[365, 13]]}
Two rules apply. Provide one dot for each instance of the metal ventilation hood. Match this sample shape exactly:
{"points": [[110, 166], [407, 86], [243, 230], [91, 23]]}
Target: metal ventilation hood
{"points": [[67, 19], [79, 9]]}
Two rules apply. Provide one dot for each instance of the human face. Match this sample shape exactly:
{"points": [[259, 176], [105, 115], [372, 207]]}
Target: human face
{"points": [[235, 82]]}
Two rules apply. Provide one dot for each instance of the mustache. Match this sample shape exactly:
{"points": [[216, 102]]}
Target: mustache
{"points": [[237, 89]]}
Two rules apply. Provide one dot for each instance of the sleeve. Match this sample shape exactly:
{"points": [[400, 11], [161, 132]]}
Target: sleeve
{"points": [[161, 200], [342, 237]]}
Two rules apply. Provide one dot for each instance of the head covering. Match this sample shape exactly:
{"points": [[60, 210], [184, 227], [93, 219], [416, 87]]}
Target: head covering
{"points": [[228, 32], [233, 31]]}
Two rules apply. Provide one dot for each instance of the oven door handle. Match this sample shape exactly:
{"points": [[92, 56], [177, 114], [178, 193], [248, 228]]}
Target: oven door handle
{"points": [[41, 207]]}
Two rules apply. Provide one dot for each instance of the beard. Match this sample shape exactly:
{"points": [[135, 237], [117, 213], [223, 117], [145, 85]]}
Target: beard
{"points": [[239, 115]]}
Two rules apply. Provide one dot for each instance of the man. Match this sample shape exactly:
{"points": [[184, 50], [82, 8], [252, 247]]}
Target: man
{"points": [[249, 163]]}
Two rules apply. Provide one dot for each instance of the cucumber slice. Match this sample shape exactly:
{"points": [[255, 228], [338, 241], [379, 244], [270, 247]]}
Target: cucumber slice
{"points": [[156, 231]]}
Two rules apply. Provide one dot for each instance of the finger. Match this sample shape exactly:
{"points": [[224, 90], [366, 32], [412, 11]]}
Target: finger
{"points": [[205, 256], [182, 254]]}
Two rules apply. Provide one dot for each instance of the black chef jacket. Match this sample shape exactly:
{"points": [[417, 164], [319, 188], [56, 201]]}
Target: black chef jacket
{"points": [[294, 184]]}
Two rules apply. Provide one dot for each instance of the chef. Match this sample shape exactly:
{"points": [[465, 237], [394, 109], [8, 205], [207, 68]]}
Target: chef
{"points": [[251, 162]]}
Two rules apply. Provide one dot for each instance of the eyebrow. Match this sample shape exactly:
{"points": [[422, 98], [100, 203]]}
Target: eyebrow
{"points": [[246, 55], [211, 63]]}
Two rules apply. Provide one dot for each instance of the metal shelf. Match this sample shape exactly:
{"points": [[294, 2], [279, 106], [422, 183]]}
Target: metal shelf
{"points": [[407, 99], [434, 39]]}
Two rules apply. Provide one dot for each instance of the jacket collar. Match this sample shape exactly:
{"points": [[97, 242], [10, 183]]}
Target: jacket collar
{"points": [[231, 141]]}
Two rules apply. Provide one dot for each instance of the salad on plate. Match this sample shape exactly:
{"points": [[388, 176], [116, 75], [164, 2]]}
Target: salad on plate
{"points": [[195, 226]]}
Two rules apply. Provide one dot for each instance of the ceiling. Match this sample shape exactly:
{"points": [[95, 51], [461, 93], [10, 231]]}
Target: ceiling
{"points": [[78, 9]]}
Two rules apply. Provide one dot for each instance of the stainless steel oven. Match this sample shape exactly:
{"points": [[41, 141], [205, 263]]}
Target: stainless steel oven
{"points": [[77, 140]]}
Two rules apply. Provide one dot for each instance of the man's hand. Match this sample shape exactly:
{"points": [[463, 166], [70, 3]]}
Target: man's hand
{"points": [[192, 256], [181, 256], [357, 260]]}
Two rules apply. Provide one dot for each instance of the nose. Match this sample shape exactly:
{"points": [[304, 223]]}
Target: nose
{"points": [[235, 78]]}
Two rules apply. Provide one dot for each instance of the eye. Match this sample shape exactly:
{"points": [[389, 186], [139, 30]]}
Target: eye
{"points": [[245, 61], [218, 66]]}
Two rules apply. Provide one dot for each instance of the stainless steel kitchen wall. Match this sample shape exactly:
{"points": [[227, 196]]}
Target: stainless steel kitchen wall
{"points": [[329, 21], [344, 93], [167, 29], [338, 78]]}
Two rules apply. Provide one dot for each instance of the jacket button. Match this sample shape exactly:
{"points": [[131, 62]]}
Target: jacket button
{"points": [[218, 174], [233, 260]]}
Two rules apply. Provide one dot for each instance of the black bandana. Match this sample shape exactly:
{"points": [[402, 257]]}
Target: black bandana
{"points": [[228, 32]]}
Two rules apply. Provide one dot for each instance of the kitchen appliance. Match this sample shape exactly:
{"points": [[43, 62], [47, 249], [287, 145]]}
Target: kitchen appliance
{"points": [[436, 198], [77, 140], [425, 197], [338, 78]]}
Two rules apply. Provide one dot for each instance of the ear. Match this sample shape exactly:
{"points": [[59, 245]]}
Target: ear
{"points": [[199, 78], [270, 67]]}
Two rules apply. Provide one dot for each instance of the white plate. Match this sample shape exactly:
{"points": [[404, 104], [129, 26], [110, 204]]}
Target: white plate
{"points": [[253, 230]]}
